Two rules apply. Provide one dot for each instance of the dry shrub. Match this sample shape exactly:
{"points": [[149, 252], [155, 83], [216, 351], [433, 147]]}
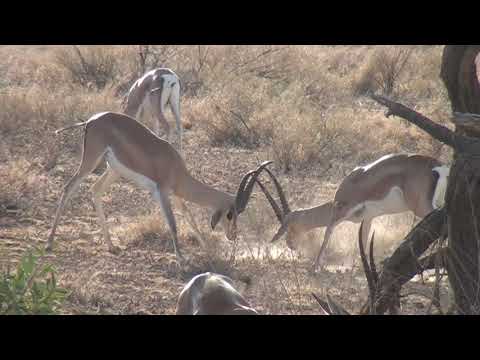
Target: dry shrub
{"points": [[301, 139], [24, 69], [384, 70], [92, 66], [35, 108], [22, 183], [228, 118]]}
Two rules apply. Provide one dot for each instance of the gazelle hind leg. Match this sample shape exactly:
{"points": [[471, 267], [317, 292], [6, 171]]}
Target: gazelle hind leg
{"points": [[158, 101], [98, 189], [165, 204], [71, 186], [90, 159]]}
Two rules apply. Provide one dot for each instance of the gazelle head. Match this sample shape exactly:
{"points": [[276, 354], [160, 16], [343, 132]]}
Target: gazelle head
{"points": [[228, 213]]}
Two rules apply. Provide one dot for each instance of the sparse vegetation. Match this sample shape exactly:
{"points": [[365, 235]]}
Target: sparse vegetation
{"points": [[32, 289], [301, 106]]}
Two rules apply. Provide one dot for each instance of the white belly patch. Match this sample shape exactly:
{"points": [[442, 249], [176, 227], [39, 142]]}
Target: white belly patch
{"points": [[128, 173], [393, 203], [438, 199]]}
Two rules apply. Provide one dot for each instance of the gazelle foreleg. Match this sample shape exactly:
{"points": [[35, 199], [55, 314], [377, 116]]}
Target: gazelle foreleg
{"points": [[163, 198], [98, 189]]}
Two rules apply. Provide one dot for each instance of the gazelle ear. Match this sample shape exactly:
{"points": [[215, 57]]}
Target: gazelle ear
{"points": [[217, 215]]}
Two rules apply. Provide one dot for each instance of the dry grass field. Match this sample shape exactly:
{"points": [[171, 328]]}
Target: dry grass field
{"points": [[305, 109]]}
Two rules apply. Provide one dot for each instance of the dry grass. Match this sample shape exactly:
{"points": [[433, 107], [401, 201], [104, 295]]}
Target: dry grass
{"points": [[301, 106]]}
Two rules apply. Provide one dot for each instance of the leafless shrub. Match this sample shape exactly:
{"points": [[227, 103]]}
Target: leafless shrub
{"points": [[269, 62], [230, 128], [95, 66], [384, 70]]}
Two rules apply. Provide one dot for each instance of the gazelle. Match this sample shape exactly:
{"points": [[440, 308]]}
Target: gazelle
{"points": [[153, 91], [134, 152], [212, 294], [393, 184]]}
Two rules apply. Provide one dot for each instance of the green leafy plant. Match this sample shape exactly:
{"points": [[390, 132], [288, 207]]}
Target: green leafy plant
{"points": [[32, 289]]}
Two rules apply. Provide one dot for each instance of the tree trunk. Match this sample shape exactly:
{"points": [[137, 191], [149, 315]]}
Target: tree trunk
{"points": [[460, 73]]}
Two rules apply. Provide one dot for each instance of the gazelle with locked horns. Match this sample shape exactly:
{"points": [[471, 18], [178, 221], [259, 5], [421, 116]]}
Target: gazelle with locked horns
{"points": [[134, 152], [393, 184], [212, 294], [152, 92]]}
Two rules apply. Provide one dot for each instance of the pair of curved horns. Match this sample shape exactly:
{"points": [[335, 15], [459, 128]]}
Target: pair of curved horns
{"points": [[246, 186], [279, 212]]}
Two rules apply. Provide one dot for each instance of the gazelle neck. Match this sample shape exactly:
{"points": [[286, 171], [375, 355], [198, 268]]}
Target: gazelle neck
{"points": [[311, 218], [190, 189]]}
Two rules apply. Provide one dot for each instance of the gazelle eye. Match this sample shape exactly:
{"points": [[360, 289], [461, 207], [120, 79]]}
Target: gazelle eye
{"points": [[229, 215]]}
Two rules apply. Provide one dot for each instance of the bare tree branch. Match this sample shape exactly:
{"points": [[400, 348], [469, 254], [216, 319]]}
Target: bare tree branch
{"points": [[439, 132], [467, 145]]}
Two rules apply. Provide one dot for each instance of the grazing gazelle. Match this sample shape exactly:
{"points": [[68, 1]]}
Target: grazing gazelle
{"points": [[134, 152], [393, 184], [153, 91], [212, 294]]}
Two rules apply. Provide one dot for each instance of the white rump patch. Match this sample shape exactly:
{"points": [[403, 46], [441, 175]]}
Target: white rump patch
{"points": [[169, 80], [439, 195]]}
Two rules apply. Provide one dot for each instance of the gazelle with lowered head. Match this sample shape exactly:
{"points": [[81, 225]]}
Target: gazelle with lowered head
{"points": [[212, 294], [134, 152], [152, 92], [393, 184]]}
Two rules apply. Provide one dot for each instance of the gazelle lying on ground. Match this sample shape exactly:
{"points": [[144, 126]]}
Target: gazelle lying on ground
{"points": [[134, 152], [212, 294], [392, 184], [152, 92]]}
